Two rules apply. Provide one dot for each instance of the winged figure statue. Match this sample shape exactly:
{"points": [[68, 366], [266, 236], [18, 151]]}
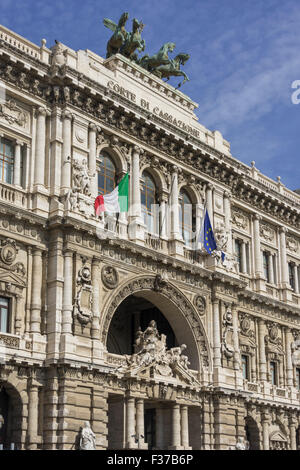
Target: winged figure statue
{"points": [[119, 37]]}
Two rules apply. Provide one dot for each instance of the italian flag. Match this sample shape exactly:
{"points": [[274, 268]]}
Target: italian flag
{"points": [[116, 201]]}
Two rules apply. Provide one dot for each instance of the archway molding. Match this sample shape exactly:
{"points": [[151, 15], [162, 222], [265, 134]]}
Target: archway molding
{"points": [[175, 306]]}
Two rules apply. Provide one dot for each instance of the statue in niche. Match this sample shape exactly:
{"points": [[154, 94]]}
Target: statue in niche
{"points": [[82, 177], [87, 439], [151, 350]]}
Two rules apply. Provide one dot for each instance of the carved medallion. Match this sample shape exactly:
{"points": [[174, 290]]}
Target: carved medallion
{"points": [[110, 277], [200, 304], [8, 251]]}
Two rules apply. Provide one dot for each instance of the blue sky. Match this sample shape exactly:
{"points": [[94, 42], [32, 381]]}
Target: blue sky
{"points": [[245, 54]]}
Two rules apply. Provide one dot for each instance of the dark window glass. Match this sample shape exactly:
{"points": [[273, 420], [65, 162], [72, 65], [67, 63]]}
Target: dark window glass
{"points": [[148, 202], [186, 222], [238, 252], [6, 161], [245, 366], [106, 175], [4, 311], [266, 266], [273, 372], [291, 276]]}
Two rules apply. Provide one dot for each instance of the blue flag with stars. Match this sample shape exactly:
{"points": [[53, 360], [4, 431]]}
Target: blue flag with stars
{"points": [[207, 235]]}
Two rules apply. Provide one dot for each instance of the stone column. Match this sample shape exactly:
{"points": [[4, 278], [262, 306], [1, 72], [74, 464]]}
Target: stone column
{"points": [[66, 151], [185, 428], [176, 432], [37, 271], [253, 368], [209, 202], [288, 352], [270, 268], [296, 280], [96, 299], [175, 234], [159, 414], [136, 226], [227, 211], [28, 290], [67, 307], [40, 147], [265, 430], [293, 426], [284, 265], [136, 190], [32, 433], [262, 351], [92, 158], [257, 249], [163, 215], [130, 423], [140, 431], [216, 333], [243, 258], [17, 164]]}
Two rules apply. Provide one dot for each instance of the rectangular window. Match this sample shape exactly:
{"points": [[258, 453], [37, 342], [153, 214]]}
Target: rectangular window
{"points": [[273, 372], [245, 366], [7, 154], [238, 252], [266, 266], [4, 312]]}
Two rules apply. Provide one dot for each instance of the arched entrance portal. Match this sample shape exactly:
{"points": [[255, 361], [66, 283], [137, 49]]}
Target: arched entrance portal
{"points": [[162, 339], [10, 417]]}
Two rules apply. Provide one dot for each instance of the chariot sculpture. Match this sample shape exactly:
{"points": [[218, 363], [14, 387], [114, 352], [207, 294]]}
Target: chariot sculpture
{"points": [[127, 43]]}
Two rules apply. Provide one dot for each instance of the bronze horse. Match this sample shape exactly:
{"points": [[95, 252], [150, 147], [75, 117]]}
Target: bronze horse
{"points": [[161, 58], [173, 68], [120, 34]]}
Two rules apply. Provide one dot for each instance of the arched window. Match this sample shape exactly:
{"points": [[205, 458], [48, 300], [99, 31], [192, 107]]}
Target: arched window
{"points": [[106, 174], [186, 220], [149, 201]]}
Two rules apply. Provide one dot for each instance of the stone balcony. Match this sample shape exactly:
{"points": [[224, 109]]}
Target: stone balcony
{"points": [[14, 196]]}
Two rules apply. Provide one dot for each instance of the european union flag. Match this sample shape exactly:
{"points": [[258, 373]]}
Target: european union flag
{"points": [[207, 235]]}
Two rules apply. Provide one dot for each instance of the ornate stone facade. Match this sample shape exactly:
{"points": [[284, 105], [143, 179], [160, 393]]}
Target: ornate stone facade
{"points": [[219, 366]]}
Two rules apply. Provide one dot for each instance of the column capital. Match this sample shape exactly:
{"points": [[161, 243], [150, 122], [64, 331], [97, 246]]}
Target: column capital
{"points": [[138, 150], [19, 142], [67, 252], [257, 217], [227, 194], [96, 261], [41, 111], [210, 186], [37, 251], [282, 230], [175, 169], [67, 115], [93, 127]]}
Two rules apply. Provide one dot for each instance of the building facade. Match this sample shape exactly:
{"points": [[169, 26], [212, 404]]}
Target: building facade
{"points": [[124, 321]]}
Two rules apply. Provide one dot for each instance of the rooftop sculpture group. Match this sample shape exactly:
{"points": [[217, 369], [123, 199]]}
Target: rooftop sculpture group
{"points": [[126, 43]]}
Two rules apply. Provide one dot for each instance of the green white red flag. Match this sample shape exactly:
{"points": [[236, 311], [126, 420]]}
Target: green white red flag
{"points": [[116, 201]]}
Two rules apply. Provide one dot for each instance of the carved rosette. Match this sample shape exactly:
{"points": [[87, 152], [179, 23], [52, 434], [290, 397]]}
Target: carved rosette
{"points": [[110, 277]]}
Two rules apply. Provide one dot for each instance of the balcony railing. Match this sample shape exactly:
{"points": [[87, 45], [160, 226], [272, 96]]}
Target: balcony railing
{"points": [[13, 195]]}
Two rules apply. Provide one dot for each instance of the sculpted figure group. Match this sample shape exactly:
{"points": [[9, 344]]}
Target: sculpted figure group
{"points": [[126, 43]]}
